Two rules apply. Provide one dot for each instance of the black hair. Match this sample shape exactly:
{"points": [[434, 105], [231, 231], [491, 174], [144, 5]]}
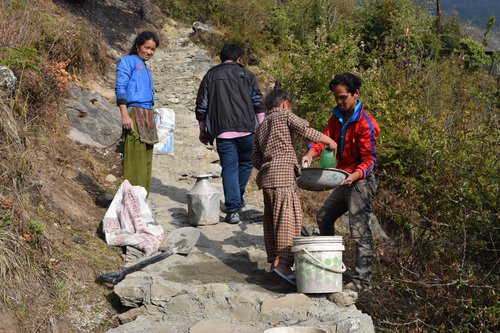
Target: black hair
{"points": [[350, 81], [230, 52], [141, 39], [277, 96]]}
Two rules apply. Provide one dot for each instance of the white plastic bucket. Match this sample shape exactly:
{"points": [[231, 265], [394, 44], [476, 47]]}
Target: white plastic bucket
{"points": [[295, 329], [318, 264]]}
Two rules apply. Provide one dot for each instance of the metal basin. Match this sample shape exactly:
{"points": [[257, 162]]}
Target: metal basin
{"points": [[319, 179]]}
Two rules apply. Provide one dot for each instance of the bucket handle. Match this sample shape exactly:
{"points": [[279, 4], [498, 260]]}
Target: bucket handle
{"points": [[334, 270]]}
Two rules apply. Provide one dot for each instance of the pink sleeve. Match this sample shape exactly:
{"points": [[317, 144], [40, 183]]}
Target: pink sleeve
{"points": [[260, 117]]}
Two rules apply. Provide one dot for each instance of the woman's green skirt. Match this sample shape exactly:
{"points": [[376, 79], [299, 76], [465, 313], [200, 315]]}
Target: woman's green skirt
{"points": [[137, 159]]}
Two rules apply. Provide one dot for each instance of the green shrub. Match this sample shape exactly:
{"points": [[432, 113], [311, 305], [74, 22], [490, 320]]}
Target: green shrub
{"points": [[474, 54], [394, 29], [21, 58], [450, 33], [190, 10], [307, 72], [36, 229]]}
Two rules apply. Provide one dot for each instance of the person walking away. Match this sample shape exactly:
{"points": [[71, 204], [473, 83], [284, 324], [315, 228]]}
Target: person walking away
{"points": [[229, 108], [135, 99], [355, 132], [274, 156]]}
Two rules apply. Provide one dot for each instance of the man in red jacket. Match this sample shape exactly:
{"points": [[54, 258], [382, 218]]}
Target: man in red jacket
{"points": [[355, 132]]}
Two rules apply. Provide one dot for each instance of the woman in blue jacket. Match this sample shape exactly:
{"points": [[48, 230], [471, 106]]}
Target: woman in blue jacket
{"points": [[135, 98]]}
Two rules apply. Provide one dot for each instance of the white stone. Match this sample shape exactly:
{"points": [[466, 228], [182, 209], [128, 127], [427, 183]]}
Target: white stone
{"points": [[7, 79], [110, 178]]}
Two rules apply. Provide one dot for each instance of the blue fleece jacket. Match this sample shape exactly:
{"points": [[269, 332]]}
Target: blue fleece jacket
{"points": [[134, 83]]}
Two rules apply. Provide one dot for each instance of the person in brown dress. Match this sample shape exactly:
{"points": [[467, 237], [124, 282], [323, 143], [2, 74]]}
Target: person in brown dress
{"points": [[275, 158]]}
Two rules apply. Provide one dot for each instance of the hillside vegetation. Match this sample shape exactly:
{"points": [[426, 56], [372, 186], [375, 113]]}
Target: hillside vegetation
{"points": [[429, 87], [49, 250], [427, 84]]}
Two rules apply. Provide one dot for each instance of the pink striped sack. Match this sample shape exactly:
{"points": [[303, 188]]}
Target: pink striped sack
{"points": [[129, 220]]}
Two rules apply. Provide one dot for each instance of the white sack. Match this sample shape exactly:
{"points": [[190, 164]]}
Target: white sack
{"points": [[129, 220], [165, 126]]}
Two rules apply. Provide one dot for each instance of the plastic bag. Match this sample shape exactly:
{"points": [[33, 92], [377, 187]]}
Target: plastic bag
{"points": [[165, 126]]}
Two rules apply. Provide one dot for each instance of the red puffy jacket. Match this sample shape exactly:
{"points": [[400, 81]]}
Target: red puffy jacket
{"points": [[357, 147]]}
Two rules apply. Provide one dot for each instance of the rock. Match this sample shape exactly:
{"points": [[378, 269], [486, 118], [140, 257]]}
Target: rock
{"points": [[133, 254], [173, 100], [7, 79], [359, 324], [94, 120], [212, 325], [292, 306], [170, 22], [308, 231], [131, 295], [104, 200], [344, 298], [79, 240], [161, 294], [131, 315], [201, 27], [143, 324], [111, 179]]}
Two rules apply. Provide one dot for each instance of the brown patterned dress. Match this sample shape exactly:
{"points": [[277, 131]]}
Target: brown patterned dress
{"points": [[276, 160]]}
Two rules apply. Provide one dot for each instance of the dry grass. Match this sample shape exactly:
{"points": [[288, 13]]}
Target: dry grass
{"points": [[46, 47], [54, 33], [13, 257], [42, 269], [10, 130]]}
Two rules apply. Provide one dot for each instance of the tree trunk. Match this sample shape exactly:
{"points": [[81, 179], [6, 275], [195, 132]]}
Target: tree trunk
{"points": [[438, 13]]}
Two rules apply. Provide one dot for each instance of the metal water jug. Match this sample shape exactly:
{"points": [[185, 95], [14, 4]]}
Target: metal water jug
{"points": [[203, 201]]}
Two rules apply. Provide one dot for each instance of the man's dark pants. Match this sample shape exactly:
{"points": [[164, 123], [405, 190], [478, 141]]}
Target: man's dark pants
{"points": [[357, 199]]}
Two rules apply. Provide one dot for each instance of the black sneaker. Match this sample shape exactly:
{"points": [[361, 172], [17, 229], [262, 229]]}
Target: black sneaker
{"points": [[232, 218]]}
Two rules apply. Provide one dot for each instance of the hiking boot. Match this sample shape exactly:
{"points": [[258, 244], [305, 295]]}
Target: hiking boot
{"points": [[232, 218], [356, 286]]}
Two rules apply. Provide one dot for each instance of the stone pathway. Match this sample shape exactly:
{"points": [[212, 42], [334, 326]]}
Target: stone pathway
{"points": [[224, 284]]}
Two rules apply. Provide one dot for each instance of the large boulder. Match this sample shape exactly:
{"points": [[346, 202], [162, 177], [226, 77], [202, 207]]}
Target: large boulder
{"points": [[94, 120]]}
